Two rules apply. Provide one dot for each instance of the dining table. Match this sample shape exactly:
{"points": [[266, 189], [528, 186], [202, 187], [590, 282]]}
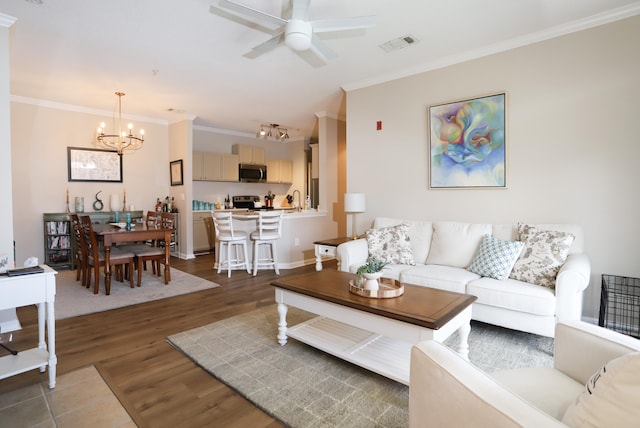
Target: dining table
{"points": [[110, 235]]}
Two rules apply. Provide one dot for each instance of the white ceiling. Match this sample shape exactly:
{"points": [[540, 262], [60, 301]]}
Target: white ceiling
{"points": [[177, 55]]}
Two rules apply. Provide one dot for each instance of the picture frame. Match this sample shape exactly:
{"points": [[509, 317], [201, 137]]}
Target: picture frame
{"points": [[175, 170], [94, 165], [468, 143]]}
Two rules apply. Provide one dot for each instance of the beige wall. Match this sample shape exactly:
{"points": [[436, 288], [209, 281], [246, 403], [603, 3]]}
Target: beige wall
{"points": [[6, 214], [573, 148], [40, 136]]}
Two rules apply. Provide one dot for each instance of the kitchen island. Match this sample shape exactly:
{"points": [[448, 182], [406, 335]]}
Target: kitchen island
{"points": [[299, 232]]}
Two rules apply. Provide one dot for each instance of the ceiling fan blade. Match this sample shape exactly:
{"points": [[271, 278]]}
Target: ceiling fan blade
{"points": [[311, 58], [258, 15], [265, 47], [241, 20], [321, 49], [342, 24], [300, 10]]}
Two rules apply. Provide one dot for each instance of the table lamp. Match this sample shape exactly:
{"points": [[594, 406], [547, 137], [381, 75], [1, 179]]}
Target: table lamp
{"points": [[354, 203]]}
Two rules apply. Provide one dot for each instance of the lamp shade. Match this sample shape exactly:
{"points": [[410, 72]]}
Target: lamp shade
{"points": [[355, 203]]}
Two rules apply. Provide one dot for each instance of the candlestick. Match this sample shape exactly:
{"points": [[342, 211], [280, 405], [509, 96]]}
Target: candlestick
{"points": [[67, 196], [67, 211]]}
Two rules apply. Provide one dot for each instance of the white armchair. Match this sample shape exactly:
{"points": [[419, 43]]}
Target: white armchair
{"points": [[446, 390]]}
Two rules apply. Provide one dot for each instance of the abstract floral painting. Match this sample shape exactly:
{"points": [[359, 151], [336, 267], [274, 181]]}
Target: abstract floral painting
{"points": [[467, 143]]}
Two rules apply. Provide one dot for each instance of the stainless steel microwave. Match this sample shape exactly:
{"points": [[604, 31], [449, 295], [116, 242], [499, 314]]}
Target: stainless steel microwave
{"points": [[252, 173]]}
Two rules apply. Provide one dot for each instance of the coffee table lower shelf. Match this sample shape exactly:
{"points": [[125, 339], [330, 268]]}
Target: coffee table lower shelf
{"points": [[379, 354]]}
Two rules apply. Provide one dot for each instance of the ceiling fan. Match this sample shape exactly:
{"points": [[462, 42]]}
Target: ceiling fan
{"points": [[297, 32]]}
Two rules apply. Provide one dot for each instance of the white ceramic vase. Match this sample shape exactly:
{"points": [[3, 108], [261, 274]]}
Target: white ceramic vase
{"points": [[371, 281], [115, 203]]}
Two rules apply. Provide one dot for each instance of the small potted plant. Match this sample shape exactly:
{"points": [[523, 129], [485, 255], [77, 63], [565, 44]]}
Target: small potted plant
{"points": [[370, 272]]}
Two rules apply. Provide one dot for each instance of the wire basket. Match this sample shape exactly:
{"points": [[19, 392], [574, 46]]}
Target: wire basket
{"points": [[620, 304]]}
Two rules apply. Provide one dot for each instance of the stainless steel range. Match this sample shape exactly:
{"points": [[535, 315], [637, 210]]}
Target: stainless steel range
{"points": [[245, 201]]}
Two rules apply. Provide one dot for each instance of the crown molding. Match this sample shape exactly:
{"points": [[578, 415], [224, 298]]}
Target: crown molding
{"points": [[223, 131], [81, 109], [339, 116], [517, 42], [6, 20]]}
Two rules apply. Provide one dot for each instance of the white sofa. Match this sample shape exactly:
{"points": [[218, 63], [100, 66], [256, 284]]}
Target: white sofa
{"points": [[448, 391], [443, 250]]}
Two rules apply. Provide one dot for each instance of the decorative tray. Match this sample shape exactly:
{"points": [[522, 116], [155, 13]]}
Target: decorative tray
{"points": [[388, 288]]}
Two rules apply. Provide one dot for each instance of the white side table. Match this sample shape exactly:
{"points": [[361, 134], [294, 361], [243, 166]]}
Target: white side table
{"points": [[40, 289], [327, 248]]}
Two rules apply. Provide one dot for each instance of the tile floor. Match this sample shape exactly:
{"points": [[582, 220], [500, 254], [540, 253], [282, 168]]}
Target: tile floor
{"points": [[80, 399]]}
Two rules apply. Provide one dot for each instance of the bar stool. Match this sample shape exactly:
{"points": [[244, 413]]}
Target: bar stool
{"points": [[227, 237], [268, 232]]}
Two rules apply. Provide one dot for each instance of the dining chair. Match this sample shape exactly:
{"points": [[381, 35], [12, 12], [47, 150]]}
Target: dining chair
{"points": [[118, 259], [148, 250], [267, 234], [167, 221], [80, 250], [228, 238]]}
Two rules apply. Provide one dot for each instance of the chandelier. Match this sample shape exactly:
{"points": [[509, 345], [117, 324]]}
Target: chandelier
{"points": [[122, 140], [273, 131]]}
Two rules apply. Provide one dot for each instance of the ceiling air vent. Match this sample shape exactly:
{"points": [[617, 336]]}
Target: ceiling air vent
{"points": [[399, 43]]}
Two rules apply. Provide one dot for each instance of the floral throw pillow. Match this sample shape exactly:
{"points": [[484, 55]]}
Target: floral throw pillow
{"points": [[495, 257], [543, 255], [391, 244]]}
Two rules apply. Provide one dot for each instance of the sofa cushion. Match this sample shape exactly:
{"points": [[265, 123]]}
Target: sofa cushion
{"points": [[390, 244], [455, 244], [544, 254], [514, 295], [495, 257], [420, 233], [436, 276], [610, 397]]}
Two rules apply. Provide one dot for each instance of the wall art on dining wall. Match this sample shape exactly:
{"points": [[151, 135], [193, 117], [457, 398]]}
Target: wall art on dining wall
{"points": [[94, 165], [175, 169], [467, 143]]}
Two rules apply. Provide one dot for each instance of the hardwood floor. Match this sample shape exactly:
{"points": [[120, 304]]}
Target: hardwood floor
{"points": [[157, 384]]}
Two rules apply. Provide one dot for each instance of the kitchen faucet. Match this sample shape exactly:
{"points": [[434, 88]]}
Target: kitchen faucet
{"points": [[299, 206]]}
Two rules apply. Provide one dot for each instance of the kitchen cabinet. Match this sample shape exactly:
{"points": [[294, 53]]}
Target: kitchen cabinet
{"points": [[249, 154], [203, 232], [279, 171], [211, 166]]}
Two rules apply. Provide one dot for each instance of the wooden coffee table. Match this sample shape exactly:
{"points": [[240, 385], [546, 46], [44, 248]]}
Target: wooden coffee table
{"points": [[376, 334]]}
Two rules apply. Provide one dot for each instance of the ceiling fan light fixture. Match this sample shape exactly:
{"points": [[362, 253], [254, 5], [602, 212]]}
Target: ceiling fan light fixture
{"points": [[298, 35]]}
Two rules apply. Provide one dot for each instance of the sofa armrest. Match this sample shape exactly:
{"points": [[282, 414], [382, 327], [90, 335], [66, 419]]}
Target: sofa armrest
{"points": [[580, 348], [351, 253], [446, 390], [571, 281]]}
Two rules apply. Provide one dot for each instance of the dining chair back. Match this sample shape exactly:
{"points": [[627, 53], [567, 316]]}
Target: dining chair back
{"points": [[267, 234], [118, 258], [227, 238], [155, 251], [80, 250]]}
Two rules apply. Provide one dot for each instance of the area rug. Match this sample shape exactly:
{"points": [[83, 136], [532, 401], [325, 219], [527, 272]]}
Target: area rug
{"points": [[304, 387], [72, 299]]}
